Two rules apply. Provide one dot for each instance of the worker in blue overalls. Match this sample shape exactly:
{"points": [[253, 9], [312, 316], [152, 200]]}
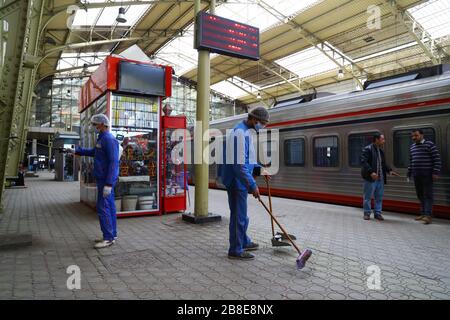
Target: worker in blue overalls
{"points": [[106, 172], [237, 174]]}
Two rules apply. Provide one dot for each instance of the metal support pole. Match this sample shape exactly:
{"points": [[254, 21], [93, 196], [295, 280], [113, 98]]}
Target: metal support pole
{"points": [[50, 145], [34, 147], [201, 213], [202, 116]]}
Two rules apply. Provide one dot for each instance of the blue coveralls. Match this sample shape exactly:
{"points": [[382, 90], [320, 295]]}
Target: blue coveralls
{"points": [[238, 179], [106, 172]]}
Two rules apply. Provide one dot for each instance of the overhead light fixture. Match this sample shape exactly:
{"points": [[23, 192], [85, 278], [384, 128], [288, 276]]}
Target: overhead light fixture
{"points": [[85, 69], [258, 96], [121, 16], [341, 74]]}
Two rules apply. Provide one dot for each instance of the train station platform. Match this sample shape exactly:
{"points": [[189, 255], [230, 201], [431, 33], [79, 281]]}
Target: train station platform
{"points": [[162, 257]]}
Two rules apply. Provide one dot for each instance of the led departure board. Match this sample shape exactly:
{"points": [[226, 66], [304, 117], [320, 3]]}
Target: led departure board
{"points": [[227, 37]]}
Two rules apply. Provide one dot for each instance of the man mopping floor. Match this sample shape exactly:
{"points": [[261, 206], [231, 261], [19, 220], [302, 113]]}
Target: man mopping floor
{"points": [[237, 175]]}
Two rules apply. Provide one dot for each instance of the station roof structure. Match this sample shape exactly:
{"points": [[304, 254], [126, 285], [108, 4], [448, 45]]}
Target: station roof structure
{"points": [[304, 44]]}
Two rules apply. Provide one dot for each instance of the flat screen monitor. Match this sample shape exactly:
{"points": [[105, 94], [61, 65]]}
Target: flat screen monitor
{"points": [[141, 78]]}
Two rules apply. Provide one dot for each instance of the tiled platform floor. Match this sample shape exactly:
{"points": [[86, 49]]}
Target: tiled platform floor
{"points": [[161, 257]]}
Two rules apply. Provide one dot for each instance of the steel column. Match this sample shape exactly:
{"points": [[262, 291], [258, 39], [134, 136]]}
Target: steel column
{"points": [[11, 86], [202, 117]]}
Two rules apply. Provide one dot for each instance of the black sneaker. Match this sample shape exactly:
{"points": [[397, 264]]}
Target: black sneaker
{"points": [[366, 216], [243, 256], [379, 217], [251, 246]]}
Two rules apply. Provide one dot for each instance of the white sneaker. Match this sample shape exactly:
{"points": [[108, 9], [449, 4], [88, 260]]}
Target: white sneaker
{"points": [[103, 244], [100, 240]]}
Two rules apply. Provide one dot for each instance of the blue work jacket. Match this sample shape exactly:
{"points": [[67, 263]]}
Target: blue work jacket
{"points": [[106, 158], [237, 170]]}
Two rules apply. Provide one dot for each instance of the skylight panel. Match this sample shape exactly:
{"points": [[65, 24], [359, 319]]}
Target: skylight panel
{"points": [[109, 14], [85, 18], [71, 60], [253, 14], [180, 52], [387, 51], [434, 17], [229, 89], [132, 14], [307, 63]]}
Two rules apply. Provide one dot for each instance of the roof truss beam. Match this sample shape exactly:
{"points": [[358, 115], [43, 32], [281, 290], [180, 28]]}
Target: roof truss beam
{"points": [[269, 66], [341, 60], [423, 38], [8, 8]]}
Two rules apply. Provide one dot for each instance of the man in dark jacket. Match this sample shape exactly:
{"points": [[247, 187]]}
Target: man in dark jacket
{"points": [[374, 170], [424, 166]]}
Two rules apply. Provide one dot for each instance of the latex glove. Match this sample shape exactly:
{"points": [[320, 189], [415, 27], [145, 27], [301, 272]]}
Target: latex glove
{"points": [[107, 191]]}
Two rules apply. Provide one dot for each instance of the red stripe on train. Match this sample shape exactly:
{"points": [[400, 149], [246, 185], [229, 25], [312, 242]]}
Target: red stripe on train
{"points": [[362, 112], [354, 201]]}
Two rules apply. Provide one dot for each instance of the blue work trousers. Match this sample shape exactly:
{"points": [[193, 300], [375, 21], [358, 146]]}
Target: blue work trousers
{"points": [[375, 189], [106, 210], [237, 200]]}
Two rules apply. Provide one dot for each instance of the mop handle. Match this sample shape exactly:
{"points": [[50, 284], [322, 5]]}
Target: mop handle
{"points": [[281, 227], [270, 204]]}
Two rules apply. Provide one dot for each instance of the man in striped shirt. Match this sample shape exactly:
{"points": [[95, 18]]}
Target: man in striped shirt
{"points": [[424, 168]]}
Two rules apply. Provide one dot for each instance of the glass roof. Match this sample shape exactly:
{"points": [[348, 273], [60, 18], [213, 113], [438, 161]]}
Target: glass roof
{"points": [[308, 62], [434, 16], [183, 56], [255, 15], [108, 15], [228, 88], [179, 52], [70, 60]]}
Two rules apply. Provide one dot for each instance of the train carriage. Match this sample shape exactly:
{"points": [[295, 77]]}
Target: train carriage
{"points": [[320, 142]]}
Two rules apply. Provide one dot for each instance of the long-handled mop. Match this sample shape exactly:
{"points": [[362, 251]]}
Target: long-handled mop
{"points": [[302, 256], [276, 238]]}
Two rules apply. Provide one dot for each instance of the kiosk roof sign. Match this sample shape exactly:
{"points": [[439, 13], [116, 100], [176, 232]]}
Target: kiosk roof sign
{"points": [[227, 37]]}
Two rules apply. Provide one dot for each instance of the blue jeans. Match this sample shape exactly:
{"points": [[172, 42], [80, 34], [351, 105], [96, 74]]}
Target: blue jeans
{"points": [[375, 189], [237, 200], [106, 210]]}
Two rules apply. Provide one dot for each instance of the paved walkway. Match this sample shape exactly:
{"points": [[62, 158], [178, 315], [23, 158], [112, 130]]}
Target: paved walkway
{"points": [[162, 257]]}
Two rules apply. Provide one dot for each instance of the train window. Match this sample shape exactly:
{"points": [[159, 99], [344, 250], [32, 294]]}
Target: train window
{"points": [[356, 143], [326, 152], [402, 143], [294, 152], [266, 151]]}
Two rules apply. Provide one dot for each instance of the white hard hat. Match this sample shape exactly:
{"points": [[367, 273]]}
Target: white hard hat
{"points": [[100, 119]]}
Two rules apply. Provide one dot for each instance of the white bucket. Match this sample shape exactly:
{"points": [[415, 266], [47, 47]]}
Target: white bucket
{"points": [[129, 203], [118, 203]]}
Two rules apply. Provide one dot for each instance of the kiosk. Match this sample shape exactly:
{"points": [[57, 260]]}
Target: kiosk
{"points": [[130, 93]]}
